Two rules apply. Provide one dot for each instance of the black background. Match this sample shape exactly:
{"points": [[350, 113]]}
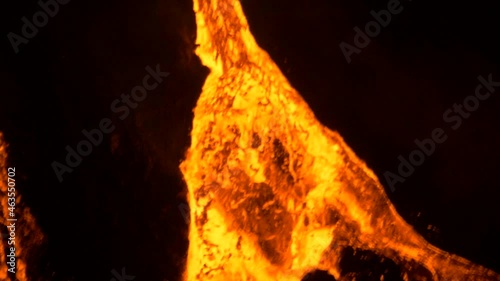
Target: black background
{"points": [[119, 208]]}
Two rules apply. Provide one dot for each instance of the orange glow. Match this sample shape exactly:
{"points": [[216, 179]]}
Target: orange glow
{"points": [[27, 235], [273, 193]]}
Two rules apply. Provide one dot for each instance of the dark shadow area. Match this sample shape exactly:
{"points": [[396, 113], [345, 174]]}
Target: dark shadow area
{"points": [[119, 208], [318, 275], [365, 265]]}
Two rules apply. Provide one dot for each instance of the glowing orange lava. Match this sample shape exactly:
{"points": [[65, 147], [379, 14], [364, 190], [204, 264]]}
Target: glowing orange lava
{"points": [[27, 234], [273, 193]]}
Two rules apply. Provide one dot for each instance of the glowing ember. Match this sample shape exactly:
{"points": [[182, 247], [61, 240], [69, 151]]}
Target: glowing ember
{"points": [[273, 193]]}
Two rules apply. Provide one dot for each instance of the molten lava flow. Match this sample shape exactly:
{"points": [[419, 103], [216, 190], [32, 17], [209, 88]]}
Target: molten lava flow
{"points": [[273, 193], [27, 235]]}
